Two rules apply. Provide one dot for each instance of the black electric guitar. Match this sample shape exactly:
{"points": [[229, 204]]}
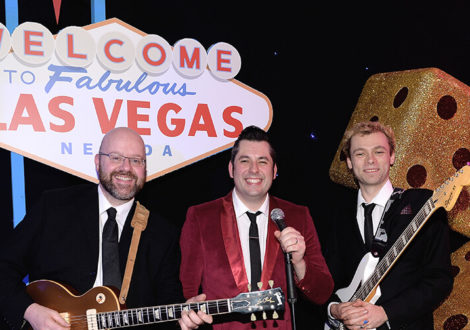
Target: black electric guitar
{"points": [[445, 196], [99, 308]]}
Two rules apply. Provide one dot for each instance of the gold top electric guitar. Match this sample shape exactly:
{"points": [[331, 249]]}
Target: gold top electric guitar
{"points": [[99, 308]]}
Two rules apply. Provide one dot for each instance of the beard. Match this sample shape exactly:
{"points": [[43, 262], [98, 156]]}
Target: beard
{"points": [[114, 190]]}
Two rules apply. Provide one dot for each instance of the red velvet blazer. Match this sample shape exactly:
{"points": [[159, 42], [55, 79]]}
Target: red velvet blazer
{"points": [[212, 259]]}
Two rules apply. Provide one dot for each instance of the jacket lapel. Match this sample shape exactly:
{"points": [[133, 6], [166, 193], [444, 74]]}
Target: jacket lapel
{"points": [[125, 240], [392, 212], [89, 218], [233, 249]]}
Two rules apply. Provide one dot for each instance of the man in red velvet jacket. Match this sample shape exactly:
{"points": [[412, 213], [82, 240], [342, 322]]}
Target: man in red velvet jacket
{"points": [[215, 239]]}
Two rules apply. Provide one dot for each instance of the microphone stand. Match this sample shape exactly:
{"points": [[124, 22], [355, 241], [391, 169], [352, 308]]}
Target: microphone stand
{"points": [[291, 294], [277, 215]]}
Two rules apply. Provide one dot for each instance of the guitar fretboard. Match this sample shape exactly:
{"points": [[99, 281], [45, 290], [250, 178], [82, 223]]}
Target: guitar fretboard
{"points": [[395, 251], [149, 315]]}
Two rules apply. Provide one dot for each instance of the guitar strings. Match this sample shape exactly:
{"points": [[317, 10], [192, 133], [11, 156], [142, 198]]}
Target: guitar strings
{"points": [[82, 320]]}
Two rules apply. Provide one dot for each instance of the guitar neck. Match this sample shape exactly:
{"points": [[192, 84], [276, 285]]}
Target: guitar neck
{"points": [[395, 251], [157, 314], [99, 307]]}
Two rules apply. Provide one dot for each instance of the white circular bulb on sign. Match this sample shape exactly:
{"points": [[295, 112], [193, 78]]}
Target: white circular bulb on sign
{"points": [[154, 54], [189, 57], [115, 51], [32, 43], [5, 41], [224, 60], [75, 46]]}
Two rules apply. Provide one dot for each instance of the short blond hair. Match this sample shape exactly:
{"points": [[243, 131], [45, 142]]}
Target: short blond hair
{"points": [[366, 128]]}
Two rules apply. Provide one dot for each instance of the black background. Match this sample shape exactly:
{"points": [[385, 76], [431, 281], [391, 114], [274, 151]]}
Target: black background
{"points": [[311, 60]]}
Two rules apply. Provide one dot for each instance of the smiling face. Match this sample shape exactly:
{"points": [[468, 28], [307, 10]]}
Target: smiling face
{"points": [[253, 172], [120, 182], [370, 160]]}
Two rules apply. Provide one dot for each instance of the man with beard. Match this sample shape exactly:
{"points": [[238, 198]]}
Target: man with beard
{"points": [[63, 239]]}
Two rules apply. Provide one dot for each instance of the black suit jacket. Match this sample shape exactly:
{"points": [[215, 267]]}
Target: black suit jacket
{"points": [[59, 240], [421, 277]]}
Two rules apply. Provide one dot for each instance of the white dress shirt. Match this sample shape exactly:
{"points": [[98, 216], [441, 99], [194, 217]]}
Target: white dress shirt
{"points": [[243, 224], [380, 200], [121, 216]]}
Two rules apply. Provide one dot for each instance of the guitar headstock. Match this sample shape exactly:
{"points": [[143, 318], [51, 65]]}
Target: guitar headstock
{"points": [[447, 194], [258, 301]]}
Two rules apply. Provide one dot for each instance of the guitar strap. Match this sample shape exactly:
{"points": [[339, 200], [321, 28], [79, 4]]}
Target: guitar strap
{"points": [[139, 223], [380, 239]]}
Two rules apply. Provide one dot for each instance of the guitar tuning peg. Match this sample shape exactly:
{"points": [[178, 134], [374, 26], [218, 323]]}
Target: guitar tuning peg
{"points": [[249, 287], [253, 317], [271, 283], [275, 315], [259, 285], [264, 316]]}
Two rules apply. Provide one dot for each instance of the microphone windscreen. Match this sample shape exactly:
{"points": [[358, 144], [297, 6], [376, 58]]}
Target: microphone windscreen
{"points": [[277, 215]]}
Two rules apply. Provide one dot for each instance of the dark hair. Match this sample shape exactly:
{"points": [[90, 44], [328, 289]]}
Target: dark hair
{"points": [[252, 133]]}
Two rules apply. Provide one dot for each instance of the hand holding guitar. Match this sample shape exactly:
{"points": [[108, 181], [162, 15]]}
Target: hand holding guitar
{"points": [[191, 319], [359, 314], [40, 317]]}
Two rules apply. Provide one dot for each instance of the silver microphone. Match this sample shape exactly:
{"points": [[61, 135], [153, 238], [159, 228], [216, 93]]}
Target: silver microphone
{"points": [[277, 215]]}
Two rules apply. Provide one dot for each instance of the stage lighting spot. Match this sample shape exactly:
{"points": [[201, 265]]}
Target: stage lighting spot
{"points": [[313, 136]]}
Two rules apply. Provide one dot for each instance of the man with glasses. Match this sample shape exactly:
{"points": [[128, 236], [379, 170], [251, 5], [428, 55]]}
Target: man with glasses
{"points": [[80, 237]]}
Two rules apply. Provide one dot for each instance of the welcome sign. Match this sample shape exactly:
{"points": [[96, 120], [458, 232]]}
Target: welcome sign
{"points": [[60, 95]]}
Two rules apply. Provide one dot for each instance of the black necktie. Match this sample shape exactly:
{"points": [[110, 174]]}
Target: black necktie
{"points": [[255, 254], [368, 229], [111, 271]]}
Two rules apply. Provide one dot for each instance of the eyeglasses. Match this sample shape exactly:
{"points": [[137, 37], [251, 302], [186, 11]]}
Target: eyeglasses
{"points": [[119, 159]]}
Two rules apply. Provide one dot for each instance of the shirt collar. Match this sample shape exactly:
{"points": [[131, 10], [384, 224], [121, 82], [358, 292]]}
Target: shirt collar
{"points": [[381, 198], [122, 210], [241, 208]]}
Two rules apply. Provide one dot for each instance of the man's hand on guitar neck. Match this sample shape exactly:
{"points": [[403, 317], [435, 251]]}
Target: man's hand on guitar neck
{"points": [[43, 318], [191, 319], [359, 314]]}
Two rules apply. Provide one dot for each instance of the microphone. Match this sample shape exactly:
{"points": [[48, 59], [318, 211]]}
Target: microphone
{"points": [[277, 215]]}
